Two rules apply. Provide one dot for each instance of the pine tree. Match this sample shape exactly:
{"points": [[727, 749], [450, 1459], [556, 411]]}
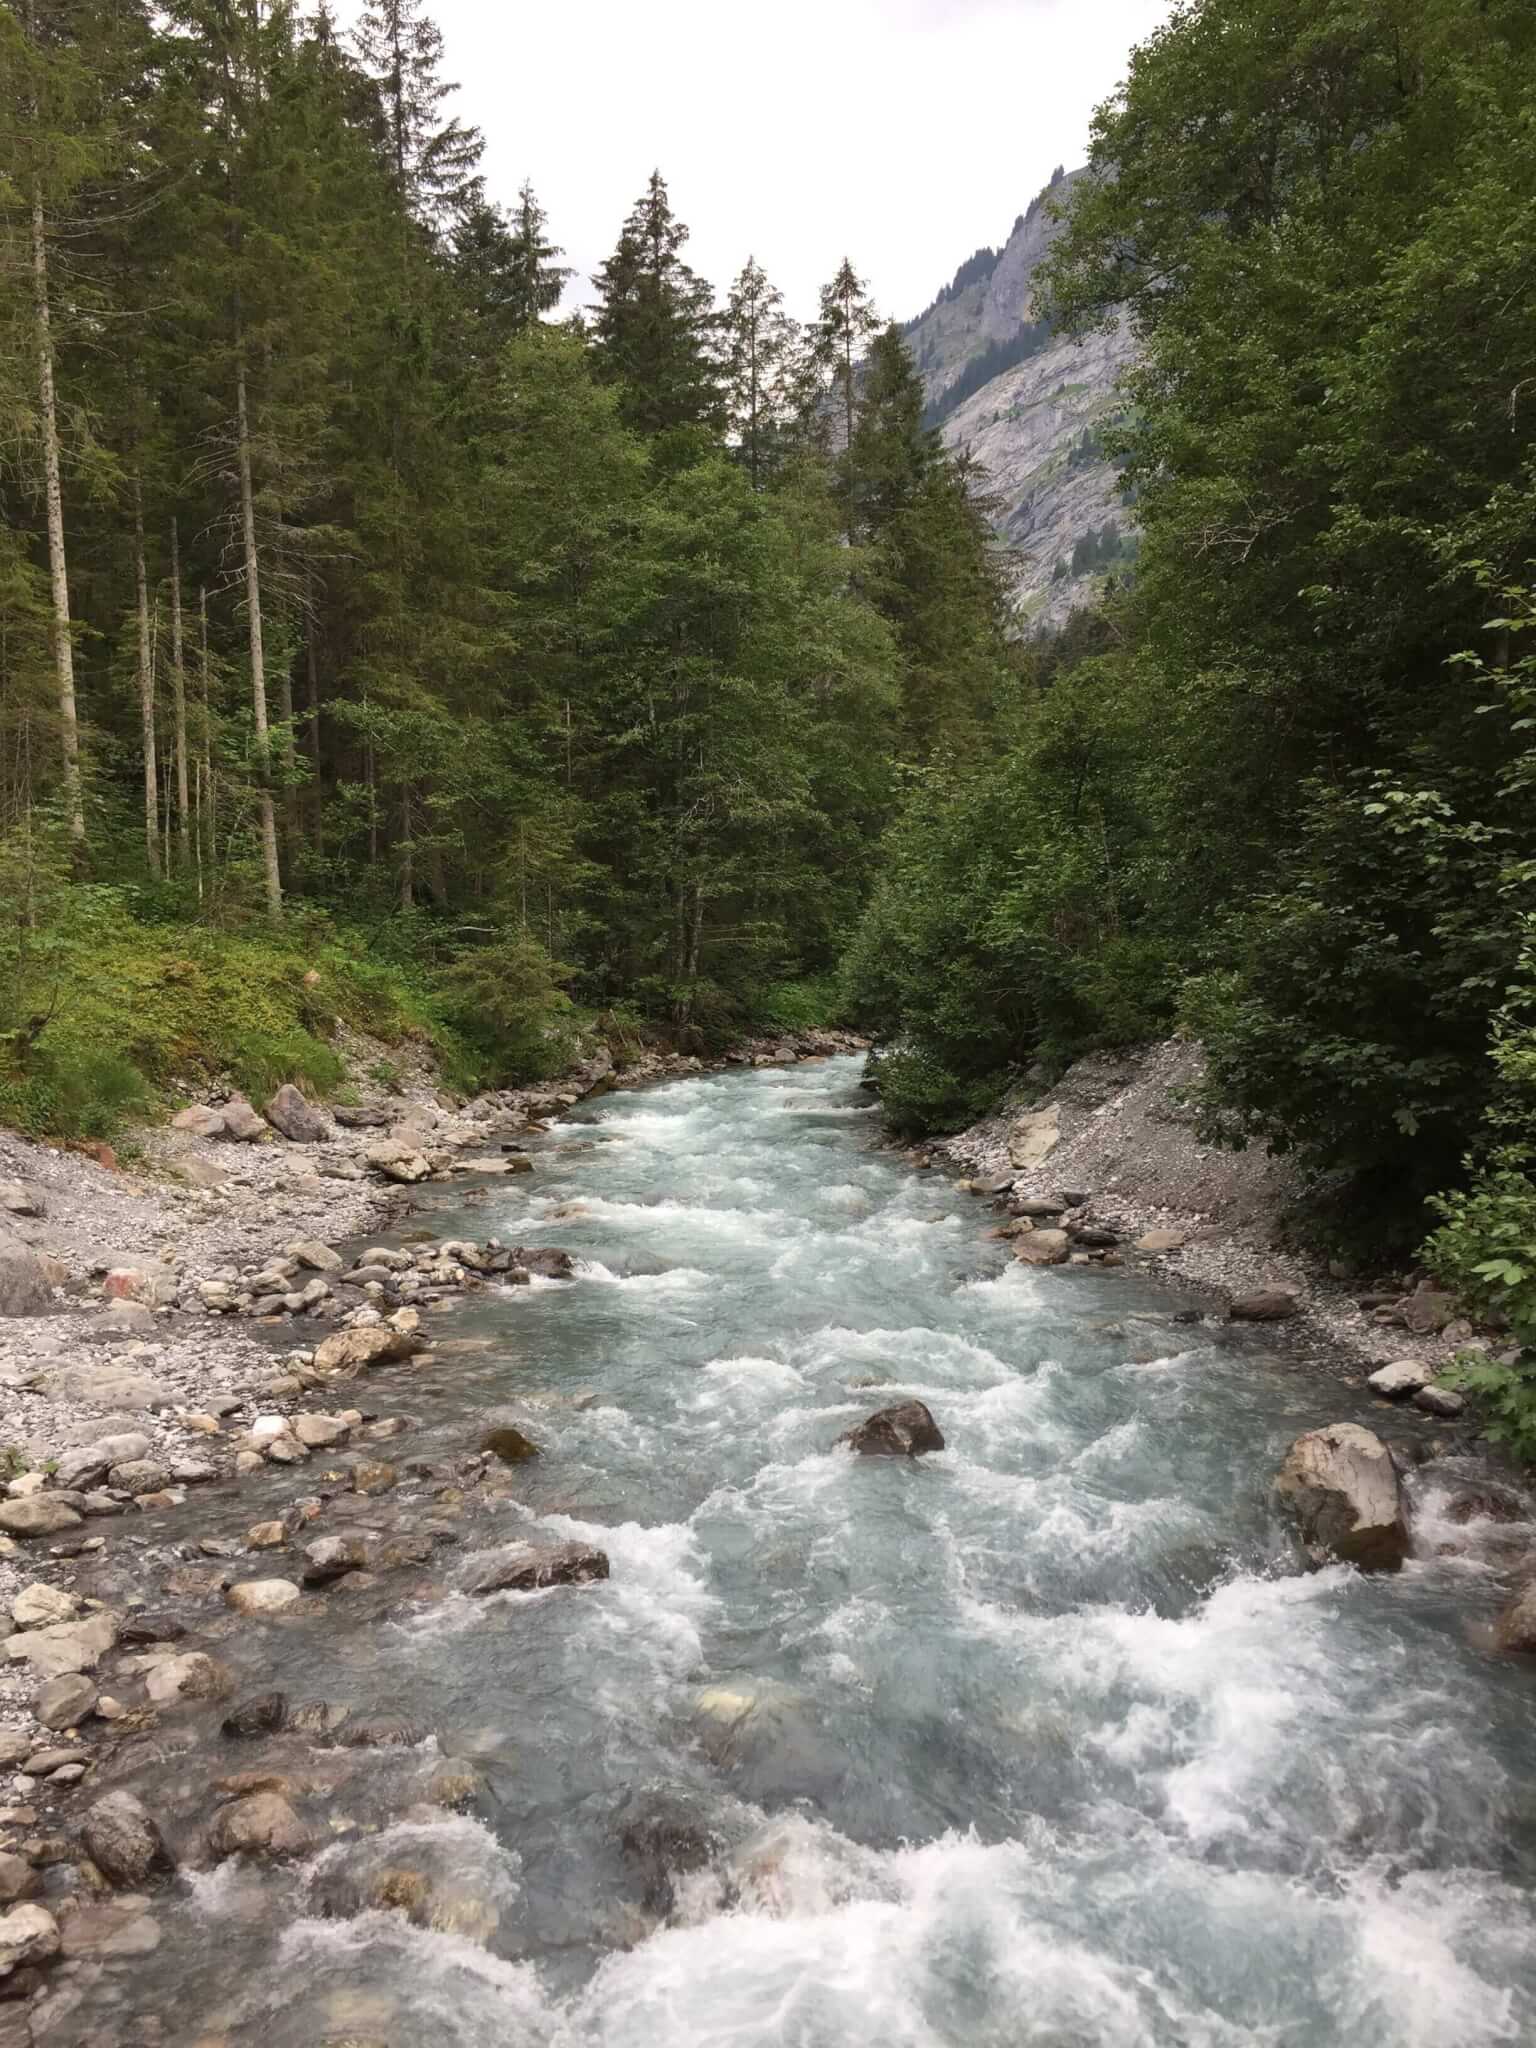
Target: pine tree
{"points": [[506, 267], [654, 332], [762, 344], [846, 320], [435, 163]]}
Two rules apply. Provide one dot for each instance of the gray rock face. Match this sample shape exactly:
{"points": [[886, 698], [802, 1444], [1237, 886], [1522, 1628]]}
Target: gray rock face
{"points": [[291, 1113], [521, 1568], [905, 1431], [122, 1840], [1034, 427], [1341, 1488]]}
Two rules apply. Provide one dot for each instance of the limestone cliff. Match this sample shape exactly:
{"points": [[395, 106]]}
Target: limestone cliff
{"points": [[1029, 405]]}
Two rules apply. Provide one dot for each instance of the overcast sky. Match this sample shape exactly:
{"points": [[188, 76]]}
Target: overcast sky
{"points": [[906, 132]]}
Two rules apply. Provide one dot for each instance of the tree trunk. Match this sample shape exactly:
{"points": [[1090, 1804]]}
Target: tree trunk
{"points": [[58, 569], [407, 850], [179, 708], [210, 787], [146, 666], [312, 693], [272, 873]]}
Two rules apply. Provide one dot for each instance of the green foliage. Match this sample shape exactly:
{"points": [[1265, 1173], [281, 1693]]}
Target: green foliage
{"points": [[810, 1004], [506, 1004]]}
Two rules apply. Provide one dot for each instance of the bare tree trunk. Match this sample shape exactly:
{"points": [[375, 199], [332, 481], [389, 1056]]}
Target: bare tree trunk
{"points": [[272, 873], [58, 568], [312, 693], [407, 850], [179, 706], [146, 690], [210, 787]]}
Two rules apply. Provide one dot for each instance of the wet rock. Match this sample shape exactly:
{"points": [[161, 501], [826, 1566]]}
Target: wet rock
{"points": [[192, 1676], [1341, 1488], [346, 1352], [1043, 1248], [65, 1646], [28, 1934], [1096, 1236], [122, 1839], [262, 1713], [905, 1431], [140, 1476], [1487, 1504], [547, 1261], [330, 1557], [522, 1568], [241, 1121], [1267, 1305], [508, 1443], [293, 1115], [188, 1581], [262, 1598], [455, 1785], [318, 1717], [1515, 1628], [1400, 1376], [151, 1625], [666, 1834], [380, 1731], [18, 1879], [39, 1515], [64, 1701], [262, 1825], [44, 1762], [115, 1927], [266, 1536], [38, 1605], [1442, 1401]]}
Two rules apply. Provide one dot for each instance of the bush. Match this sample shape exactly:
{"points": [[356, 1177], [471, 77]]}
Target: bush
{"points": [[506, 1005]]}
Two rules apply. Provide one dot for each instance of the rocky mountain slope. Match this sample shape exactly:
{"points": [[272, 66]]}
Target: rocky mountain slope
{"points": [[1030, 405]]}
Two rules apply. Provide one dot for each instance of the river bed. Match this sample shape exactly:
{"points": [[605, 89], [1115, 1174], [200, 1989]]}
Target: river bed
{"points": [[1043, 1739]]}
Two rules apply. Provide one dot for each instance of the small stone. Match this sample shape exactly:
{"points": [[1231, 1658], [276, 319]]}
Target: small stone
{"points": [[192, 1676], [260, 1714], [262, 1824], [1442, 1401], [319, 1258], [266, 1536], [44, 1762], [1267, 1305], [1400, 1376], [18, 1879], [373, 1476], [66, 1700], [263, 1597], [1155, 1241], [204, 1425], [140, 1475], [331, 1556], [509, 1445], [38, 1605], [319, 1432], [28, 1934], [1043, 1248], [907, 1430]]}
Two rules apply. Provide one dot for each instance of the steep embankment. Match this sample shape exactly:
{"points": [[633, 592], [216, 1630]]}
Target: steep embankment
{"points": [[1030, 406]]}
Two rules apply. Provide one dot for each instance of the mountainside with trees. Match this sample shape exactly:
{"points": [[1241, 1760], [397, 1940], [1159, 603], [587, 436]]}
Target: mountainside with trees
{"points": [[349, 605], [1278, 790]]}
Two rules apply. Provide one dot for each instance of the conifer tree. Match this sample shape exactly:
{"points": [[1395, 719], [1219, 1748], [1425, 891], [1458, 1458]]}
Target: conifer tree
{"points": [[434, 162], [762, 343], [655, 329]]}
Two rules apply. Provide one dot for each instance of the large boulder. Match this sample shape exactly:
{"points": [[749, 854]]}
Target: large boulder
{"points": [[522, 1568], [295, 1116], [547, 1260], [346, 1352], [263, 1597], [905, 1431], [27, 1279], [1034, 1136], [241, 1121], [201, 1121], [1515, 1628], [191, 1676], [65, 1701], [28, 1934], [397, 1160], [1341, 1488], [122, 1839], [1043, 1248]]}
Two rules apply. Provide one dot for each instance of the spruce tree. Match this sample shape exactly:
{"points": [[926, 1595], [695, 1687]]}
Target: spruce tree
{"points": [[655, 330], [761, 344], [435, 162]]}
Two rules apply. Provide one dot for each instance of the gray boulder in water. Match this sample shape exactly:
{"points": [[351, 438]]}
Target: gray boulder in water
{"points": [[1341, 1489], [905, 1431]]}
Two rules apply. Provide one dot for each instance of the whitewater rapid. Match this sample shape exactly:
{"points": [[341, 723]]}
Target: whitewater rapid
{"points": [[1042, 1740]]}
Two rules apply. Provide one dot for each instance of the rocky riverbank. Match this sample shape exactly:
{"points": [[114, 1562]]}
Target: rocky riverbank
{"points": [[1110, 1156]]}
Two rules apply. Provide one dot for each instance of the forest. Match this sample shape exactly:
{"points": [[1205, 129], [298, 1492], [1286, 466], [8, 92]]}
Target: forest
{"points": [[377, 644], [380, 643]]}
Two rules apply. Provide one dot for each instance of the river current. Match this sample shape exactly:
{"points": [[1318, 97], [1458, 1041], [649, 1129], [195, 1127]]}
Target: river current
{"points": [[1044, 1739]]}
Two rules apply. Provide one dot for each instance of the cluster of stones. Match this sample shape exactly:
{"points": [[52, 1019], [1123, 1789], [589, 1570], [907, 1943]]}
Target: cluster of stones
{"points": [[309, 1279]]}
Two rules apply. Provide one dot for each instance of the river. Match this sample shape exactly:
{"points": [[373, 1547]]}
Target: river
{"points": [[1044, 1739]]}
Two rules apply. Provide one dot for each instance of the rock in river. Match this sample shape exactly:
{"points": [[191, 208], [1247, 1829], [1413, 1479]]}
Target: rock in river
{"points": [[508, 1443], [1341, 1487], [122, 1839], [346, 1352], [261, 1824], [905, 1431], [1515, 1628], [521, 1568]]}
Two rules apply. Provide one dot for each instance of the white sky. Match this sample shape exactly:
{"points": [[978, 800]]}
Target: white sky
{"points": [[904, 132]]}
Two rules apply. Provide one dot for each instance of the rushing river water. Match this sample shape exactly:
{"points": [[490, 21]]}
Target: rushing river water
{"points": [[1041, 1740]]}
